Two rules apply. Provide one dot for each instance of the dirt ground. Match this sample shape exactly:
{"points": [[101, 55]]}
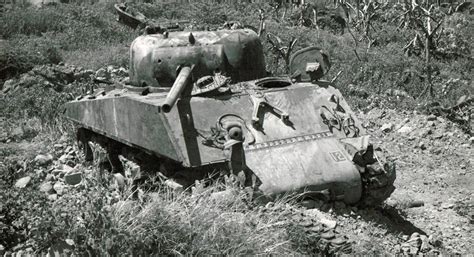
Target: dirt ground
{"points": [[434, 161]]}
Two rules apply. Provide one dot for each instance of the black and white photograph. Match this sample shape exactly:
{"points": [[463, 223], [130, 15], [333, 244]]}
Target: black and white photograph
{"points": [[236, 127]]}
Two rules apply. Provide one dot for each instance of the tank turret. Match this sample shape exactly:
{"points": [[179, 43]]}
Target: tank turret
{"points": [[154, 59]]}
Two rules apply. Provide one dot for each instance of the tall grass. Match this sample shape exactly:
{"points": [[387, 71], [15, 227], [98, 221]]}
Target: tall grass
{"points": [[102, 220], [53, 33]]}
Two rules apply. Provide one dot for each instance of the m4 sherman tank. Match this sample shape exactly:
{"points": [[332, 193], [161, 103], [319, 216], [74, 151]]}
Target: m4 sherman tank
{"points": [[201, 101]]}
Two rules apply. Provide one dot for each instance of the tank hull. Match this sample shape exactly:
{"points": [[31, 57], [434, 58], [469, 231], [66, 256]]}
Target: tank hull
{"points": [[300, 154]]}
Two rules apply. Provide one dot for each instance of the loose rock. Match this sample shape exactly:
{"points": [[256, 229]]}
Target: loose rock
{"points": [[22, 182], [53, 197], [174, 185], [447, 205], [432, 117], [44, 160], [59, 187], [422, 146], [49, 177], [386, 127], [405, 129], [73, 178], [46, 187]]}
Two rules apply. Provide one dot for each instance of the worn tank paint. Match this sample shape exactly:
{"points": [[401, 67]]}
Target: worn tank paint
{"points": [[292, 134], [154, 58]]}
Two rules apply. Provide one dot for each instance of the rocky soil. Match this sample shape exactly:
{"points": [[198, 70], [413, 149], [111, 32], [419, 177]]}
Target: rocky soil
{"points": [[432, 206], [431, 210]]}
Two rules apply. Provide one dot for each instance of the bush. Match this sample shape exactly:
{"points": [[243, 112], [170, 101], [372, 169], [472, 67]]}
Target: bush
{"points": [[41, 36], [23, 53]]}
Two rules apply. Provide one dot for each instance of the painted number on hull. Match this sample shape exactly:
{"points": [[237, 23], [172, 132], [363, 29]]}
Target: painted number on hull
{"points": [[338, 156]]}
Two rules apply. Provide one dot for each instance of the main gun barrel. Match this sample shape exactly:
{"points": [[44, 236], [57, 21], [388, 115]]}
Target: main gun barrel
{"points": [[178, 86]]}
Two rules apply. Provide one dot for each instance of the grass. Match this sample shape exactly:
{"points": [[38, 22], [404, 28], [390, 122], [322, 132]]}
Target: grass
{"points": [[102, 220]]}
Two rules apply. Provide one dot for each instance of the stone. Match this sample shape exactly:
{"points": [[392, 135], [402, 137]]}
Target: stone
{"points": [[59, 187], [435, 241], [63, 158], [23, 182], [102, 74], [119, 181], [49, 177], [405, 129], [17, 133], [39, 172], [328, 235], [9, 85], [58, 146], [471, 140], [306, 222], [431, 117], [3, 136], [43, 160], [69, 242], [64, 169], [310, 203], [387, 127], [68, 149], [415, 204], [440, 119], [338, 241], [321, 218], [175, 186], [430, 124], [228, 196], [46, 187], [122, 71], [73, 178], [422, 146], [53, 197], [425, 132], [447, 205], [134, 170]]}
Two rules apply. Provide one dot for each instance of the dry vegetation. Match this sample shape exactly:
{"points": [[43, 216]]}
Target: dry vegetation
{"points": [[378, 70]]}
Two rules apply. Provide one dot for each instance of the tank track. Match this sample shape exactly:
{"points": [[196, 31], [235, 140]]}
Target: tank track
{"points": [[377, 179]]}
